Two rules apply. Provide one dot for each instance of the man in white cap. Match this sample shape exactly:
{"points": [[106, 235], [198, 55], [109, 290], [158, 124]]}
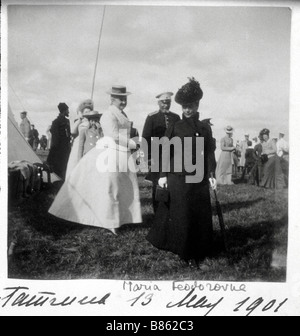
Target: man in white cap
{"points": [[155, 126]]}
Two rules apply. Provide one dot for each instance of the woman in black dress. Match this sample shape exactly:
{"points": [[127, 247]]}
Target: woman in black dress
{"points": [[184, 224]]}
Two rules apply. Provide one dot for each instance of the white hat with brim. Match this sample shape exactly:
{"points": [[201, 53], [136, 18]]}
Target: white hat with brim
{"points": [[229, 130], [118, 90]]}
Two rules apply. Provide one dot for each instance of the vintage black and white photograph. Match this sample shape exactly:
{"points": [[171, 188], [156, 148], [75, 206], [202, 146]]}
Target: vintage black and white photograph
{"points": [[147, 142], [78, 74]]}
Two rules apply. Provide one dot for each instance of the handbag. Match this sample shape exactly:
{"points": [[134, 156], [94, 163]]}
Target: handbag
{"points": [[264, 158], [162, 194]]}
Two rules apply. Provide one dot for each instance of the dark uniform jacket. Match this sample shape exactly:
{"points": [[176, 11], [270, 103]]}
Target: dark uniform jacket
{"points": [[156, 125], [190, 128]]}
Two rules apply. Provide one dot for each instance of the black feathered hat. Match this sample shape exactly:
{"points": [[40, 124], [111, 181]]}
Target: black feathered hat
{"points": [[264, 131], [189, 93], [208, 121]]}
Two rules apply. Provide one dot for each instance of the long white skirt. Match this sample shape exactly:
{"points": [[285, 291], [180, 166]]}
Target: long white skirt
{"points": [[73, 158], [102, 199]]}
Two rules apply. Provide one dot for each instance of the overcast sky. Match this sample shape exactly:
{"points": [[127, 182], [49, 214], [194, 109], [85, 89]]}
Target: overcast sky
{"points": [[240, 56]]}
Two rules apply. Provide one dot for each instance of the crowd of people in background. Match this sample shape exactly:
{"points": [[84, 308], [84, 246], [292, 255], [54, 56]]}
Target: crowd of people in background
{"points": [[264, 160], [110, 199], [31, 134]]}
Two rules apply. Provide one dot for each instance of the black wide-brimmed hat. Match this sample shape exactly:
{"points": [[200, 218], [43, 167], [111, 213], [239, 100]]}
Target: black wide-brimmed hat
{"points": [[92, 115], [189, 93]]}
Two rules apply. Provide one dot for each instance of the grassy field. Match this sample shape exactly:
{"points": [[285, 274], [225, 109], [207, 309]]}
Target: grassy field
{"points": [[49, 248]]}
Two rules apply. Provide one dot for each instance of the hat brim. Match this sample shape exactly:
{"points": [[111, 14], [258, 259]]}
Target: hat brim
{"points": [[228, 132], [98, 116]]}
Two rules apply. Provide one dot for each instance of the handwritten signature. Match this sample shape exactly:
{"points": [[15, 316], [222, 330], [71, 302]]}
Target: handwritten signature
{"points": [[20, 297]]}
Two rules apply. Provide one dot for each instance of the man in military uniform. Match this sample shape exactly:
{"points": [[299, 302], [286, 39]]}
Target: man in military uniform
{"points": [[155, 126], [61, 142], [34, 138]]}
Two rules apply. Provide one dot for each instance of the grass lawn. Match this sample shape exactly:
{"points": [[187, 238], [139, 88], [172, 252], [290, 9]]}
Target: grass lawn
{"points": [[49, 248]]}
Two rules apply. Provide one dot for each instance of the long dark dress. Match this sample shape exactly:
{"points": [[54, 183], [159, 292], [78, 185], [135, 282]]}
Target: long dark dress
{"points": [[184, 225], [273, 177]]}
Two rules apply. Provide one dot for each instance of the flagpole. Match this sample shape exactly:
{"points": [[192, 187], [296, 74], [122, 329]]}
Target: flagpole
{"points": [[99, 43]]}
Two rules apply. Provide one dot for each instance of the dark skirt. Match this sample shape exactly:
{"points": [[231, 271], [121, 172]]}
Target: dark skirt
{"points": [[273, 176], [256, 173], [184, 226], [58, 160]]}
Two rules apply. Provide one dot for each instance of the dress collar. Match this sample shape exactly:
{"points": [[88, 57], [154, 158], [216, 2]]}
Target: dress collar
{"points": [[194, 118]]}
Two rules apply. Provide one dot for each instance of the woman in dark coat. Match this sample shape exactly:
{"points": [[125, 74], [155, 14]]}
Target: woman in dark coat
{"points": [[184, 224], [273, 177], [60, 142]]}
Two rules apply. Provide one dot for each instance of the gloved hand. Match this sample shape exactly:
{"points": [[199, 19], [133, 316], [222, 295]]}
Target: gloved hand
{"points": [[163, 182], [213, 183]]}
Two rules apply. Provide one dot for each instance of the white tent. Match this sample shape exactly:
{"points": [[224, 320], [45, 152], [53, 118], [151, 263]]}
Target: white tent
{"points": [[18, 148]]}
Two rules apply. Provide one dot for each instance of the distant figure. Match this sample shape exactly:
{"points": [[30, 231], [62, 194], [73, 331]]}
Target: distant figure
{"points": [[273, 177], [34, 138], [254, 141], [25, 126], [282, 147], [88, 137], [283, 153], [49, 135], [61, 142], [237, 157], [244, 146], [256, 172], [43, 142], [249, 160], [224, 164]]}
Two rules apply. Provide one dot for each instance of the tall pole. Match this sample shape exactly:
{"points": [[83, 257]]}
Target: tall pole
{"points": [[99, 43]]}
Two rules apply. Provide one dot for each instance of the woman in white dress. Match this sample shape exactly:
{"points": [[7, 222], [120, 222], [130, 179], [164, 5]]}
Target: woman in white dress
{"points": [[98, 197], [225, 162], [81, 123]]}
